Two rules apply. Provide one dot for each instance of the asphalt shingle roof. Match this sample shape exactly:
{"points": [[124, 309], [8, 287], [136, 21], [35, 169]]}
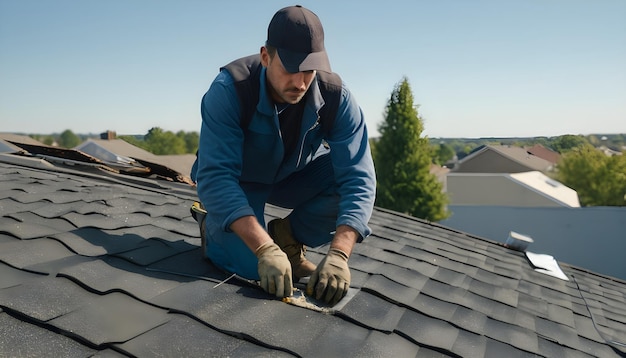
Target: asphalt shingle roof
{"points": [[512, 153], [94, 265]]}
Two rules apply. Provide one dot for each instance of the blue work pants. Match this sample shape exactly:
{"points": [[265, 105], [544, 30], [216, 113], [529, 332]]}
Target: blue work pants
{"points": [[311, 194]]}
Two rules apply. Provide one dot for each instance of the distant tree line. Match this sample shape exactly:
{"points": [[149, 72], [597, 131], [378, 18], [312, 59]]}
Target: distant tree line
{"points": [[444, 149], [599, 178], [441, 150], [403, 156], [162, 142], [67, 139], [156, 141]]}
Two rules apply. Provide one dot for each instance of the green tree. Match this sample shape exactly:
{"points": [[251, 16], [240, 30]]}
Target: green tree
{"points": [[68, 139], [192, 140], [539, 140], [402, 161], [48, 140], [45, 139], [442, 153], [160, 142], [568, 142], [466, 150], [594, 140], [599, 180]]}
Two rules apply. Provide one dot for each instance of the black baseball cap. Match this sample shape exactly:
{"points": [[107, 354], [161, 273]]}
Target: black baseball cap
{"points": [[297, 34]]}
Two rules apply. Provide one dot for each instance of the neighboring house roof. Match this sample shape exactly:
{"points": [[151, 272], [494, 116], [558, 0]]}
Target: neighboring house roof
{"points": [[102, 159], [19, 138], [544, 153], [180, 162], [117, 147], [548, 187], [94, 264], [119, 150], [527, 189], [7, 147], [501, 159], [608, 151]]}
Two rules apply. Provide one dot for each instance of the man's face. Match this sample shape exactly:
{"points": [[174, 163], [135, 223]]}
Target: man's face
{"points": [[285, 87]]}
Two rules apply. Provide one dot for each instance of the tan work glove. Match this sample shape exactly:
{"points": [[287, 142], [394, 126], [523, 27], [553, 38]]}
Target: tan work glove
{"points": [[331, 279], [274, 270]]}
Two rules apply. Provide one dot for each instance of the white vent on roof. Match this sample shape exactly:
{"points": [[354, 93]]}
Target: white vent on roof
{"points": [[553, 183], [517, 241], [546, 264]]}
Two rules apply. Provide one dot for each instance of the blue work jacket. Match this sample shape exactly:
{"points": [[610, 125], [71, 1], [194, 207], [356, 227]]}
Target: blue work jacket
{"points": [[227, 157]]}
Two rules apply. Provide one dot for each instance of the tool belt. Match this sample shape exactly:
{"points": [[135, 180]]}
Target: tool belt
{"points": [[199, 214]]}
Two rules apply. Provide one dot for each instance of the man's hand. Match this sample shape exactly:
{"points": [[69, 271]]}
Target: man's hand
{"points": [[274, 270], [274, 267], [331, 279]]}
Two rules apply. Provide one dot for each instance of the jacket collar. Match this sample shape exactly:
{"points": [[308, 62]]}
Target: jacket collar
{"points": [[314, 99]]}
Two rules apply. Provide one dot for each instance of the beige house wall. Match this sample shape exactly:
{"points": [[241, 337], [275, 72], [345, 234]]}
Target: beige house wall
{"points": [[493, 190]]}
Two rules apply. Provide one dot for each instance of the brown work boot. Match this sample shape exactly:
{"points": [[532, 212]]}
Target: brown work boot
{"points": [[280, 231]]}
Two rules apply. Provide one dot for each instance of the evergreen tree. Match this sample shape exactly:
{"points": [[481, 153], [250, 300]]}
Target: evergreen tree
{"points": [[402, 159]]}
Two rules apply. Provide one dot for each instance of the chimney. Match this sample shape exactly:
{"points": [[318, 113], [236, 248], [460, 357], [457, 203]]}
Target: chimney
{"points": [[108, 135]]}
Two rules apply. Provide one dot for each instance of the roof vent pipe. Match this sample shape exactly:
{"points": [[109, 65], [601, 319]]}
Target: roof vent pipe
{"points": [[517, 241]]}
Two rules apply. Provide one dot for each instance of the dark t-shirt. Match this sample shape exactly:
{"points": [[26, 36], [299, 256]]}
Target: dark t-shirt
{"points": [[290, 118]]}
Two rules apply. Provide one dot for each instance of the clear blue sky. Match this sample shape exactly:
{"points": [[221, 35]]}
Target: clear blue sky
{"points": [[477, 68]]}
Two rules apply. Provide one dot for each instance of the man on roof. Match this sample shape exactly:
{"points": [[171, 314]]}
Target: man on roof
{"points": [[279, 127]]}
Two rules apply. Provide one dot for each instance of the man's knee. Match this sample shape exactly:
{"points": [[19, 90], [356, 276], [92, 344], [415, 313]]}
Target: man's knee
{"points": [[228, 252]]}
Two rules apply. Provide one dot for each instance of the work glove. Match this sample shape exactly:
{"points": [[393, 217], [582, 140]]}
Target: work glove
{"points": [[274, 270], [331, 279]]}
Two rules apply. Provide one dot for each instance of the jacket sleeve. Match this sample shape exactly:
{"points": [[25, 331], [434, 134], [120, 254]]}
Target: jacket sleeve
{"points": [[353, 165], [220, 155]]}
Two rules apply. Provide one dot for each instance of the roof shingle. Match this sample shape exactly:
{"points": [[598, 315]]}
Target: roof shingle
{"points": [[93, 264]]}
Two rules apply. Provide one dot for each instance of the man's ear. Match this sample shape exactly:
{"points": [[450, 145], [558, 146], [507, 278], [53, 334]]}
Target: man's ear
{"points": [[265, 57]]}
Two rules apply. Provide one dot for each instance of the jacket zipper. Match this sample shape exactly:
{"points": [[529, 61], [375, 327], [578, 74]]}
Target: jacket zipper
{"points": [[317, 122]]}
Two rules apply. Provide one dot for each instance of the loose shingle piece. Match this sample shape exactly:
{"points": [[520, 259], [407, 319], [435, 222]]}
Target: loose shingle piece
{"points": [[100, 264]]}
